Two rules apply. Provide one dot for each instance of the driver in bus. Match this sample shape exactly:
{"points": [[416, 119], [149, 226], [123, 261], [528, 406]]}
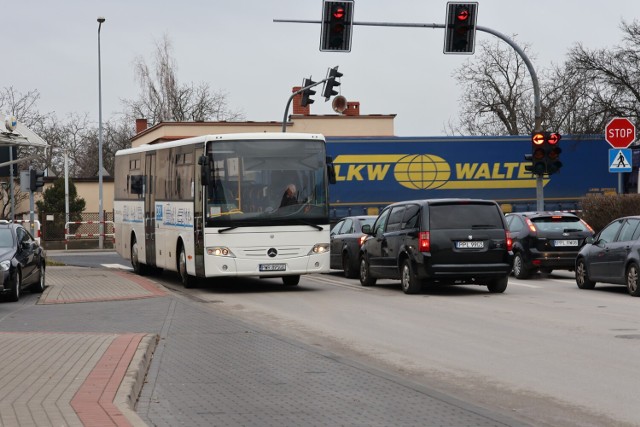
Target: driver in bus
{"points": [[290, 196]]}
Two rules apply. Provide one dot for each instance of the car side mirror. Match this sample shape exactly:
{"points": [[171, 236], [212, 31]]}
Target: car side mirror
{"points": [[589, 240], [366, 229]]}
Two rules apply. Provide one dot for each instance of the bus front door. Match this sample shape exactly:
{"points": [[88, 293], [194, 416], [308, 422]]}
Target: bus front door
{"points": [[150, 210]]}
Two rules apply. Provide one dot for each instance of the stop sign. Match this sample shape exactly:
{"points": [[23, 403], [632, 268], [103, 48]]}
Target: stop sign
{"points": [[620, 132]]}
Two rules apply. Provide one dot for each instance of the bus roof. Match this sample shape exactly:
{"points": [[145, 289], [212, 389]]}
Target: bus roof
{"points": [[221, 137]]}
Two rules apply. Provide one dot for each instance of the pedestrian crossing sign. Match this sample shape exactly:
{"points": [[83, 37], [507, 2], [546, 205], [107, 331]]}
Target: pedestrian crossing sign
{"points": [[620, 160]]}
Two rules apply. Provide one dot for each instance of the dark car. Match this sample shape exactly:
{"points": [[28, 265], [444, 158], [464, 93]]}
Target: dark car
{"points": [[346, 239], [612, 256], [438, 241], [545, 241], [22, 261]]}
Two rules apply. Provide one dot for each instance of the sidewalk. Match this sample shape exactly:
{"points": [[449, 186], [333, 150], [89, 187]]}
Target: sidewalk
{"points": [[77, 379], [81, 355]]}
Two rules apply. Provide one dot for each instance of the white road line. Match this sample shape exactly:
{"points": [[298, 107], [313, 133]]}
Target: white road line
{"points": [[523, 284], [117, 266], [333, 282]]}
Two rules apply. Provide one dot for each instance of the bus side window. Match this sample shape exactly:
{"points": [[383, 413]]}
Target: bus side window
{"points": [[136, 184]]}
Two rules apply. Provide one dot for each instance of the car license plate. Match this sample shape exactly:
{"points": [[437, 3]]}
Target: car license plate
{"points": [[470, 244], [273, 267], [563, 243]]}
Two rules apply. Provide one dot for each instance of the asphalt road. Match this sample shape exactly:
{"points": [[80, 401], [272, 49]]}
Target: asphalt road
{"points": [[544, 350]]}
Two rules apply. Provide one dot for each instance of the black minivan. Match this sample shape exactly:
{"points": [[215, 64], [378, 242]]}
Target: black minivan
{"points": [[438, 241]]}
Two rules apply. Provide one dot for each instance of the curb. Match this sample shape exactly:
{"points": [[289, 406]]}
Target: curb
{"points": [[131, 385]]}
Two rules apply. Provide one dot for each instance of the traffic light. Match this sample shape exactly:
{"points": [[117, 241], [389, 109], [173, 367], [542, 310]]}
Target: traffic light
{"points": [[307, 93], [538, 156], [337, 21], [545, 153], [553, 150], [460, 30], [331, 82], [36, 179]]}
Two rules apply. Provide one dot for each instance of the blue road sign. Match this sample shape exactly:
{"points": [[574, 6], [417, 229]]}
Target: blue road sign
{"points": [[620, 160]]}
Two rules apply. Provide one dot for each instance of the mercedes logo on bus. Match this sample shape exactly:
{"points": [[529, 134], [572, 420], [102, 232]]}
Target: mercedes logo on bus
{"points": [[272, 252]]}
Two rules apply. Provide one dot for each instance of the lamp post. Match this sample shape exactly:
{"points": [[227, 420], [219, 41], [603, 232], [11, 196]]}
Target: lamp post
{"points": [[100, 213]]}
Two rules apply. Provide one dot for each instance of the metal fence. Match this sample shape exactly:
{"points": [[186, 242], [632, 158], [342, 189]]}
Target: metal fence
{"points": [[53, 230]]}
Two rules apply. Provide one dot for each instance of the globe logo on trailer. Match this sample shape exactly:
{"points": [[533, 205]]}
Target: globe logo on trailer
{"points": [[422, 171]]}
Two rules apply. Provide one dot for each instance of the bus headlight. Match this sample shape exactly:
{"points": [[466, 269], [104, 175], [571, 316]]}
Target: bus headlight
{"points": [[5, 265], [319, 248], [220, 251]]}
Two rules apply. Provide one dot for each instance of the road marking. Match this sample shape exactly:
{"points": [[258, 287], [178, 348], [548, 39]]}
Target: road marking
{"points": [[334, 282], [117, 266], [524, 284]]}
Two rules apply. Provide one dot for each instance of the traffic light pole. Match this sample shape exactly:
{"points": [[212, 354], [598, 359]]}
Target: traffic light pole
{"points": [[534, 77], [286, 109]]}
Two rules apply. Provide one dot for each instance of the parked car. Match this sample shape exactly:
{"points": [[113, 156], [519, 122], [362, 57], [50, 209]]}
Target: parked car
{"points": [[346, 239], [545, 241], [612, 256], [22, 261], [438, 241]]}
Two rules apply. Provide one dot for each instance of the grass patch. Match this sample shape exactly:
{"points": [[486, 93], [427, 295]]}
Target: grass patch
{"points": [[51, 262]]}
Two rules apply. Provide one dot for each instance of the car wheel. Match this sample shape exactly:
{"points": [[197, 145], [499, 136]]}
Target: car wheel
{"points": [[582, 277], [187, 280], [17, 287], [632, 280], [519, 269], [291, 280], [498, 286], [365, 274], [347, 266], [138, 267], [39, 285], [408, 279]]}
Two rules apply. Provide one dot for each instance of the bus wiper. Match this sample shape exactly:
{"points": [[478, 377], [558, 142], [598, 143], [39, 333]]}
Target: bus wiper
{"points": [[222, 230], [316, 226]]}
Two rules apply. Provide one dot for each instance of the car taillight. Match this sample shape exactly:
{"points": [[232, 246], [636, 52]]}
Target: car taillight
{"points": [[424, 242], [362, 239], [508, 240], [588, 226], [530, 225]]}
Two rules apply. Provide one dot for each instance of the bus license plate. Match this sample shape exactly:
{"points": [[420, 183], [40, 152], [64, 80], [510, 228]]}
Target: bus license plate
{"points": [[469, 245], [558, 243], [273, 267]]}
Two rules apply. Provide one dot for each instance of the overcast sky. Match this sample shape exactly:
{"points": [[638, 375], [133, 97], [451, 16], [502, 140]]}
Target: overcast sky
{"points": [[236, 47]]}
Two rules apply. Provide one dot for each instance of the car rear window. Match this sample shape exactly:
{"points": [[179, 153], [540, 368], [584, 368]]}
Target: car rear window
{"points": [[465, 215], [559, 223]]}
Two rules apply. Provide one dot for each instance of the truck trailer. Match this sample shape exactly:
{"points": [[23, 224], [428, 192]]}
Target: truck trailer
{"points": [[373, 172]]}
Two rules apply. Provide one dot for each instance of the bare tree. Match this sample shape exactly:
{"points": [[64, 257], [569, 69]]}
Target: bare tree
{"points": [[163, 98], [496, 92], [614, 73]]}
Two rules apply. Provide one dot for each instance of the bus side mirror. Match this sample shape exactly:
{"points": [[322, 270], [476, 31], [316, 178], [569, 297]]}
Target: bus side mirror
{"points": [[331, 171], [205, 170]]}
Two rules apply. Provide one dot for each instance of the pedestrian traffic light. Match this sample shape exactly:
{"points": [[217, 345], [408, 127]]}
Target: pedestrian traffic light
{"points": [[538, 156], [36, 179], [331, 82], [307, 93], [337, 21], [460, 28], [553, 150]]}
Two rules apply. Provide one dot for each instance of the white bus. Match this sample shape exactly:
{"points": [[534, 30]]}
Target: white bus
{"points": [[215, 206]]}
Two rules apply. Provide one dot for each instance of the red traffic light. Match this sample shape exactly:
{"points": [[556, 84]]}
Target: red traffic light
{"points": [[538, 138], [338, 12], [554, 138], [462, 14]]}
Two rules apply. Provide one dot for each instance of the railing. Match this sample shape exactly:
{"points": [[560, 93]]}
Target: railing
{"points": [[68, 235]]}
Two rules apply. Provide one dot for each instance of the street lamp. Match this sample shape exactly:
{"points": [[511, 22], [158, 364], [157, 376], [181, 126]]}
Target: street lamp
{"points": [[100, 213]]}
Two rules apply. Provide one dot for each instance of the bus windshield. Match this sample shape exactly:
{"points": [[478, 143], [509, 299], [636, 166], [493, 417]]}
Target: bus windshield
{"points": [[265, 182]]}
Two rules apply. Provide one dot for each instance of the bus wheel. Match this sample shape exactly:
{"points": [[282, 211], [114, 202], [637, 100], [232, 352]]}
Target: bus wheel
{"points": [[138, 267], [291, 280], [187, 281]]}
